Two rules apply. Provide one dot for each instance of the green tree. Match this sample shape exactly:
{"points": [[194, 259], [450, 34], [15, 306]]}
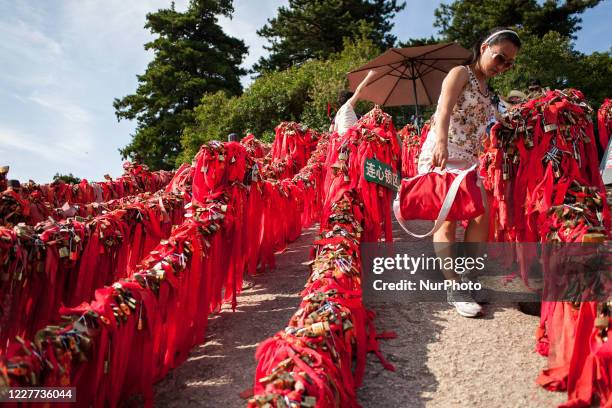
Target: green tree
{"points": [[417, 42], [300, 93], [307, 29], [331, 79], [67, 178], [193, 56], [465, 21], [593, 76], [553, 60]]}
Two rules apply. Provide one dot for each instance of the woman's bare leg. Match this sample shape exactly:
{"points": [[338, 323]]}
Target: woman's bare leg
{"points": [[444, 247]]}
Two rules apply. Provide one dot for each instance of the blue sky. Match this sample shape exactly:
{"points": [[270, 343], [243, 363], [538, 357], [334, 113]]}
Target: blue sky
{"points": [[64, 61]]}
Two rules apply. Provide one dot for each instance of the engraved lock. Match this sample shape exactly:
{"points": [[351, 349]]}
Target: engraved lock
{"points": [[602, 322], [550, 128], [319, 328], [63, 252], [116, 311], [309, 402], [85, 342]]}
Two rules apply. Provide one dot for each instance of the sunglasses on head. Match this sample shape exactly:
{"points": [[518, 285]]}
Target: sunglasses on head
{"points": [[501, 59]]}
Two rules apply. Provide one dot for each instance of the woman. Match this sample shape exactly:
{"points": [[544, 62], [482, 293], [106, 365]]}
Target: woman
{"points": [[346, 116], [458, 126]]}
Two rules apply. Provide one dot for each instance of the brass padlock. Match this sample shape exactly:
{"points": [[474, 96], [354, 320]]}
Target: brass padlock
{"points": [[602, 322], [63, 252]]}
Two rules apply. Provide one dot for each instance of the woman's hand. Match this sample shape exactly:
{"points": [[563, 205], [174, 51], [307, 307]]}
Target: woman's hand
{"points": [[439, 155]]}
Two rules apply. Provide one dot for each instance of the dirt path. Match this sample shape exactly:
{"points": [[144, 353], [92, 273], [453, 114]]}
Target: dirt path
{"points": [[442, 359]]}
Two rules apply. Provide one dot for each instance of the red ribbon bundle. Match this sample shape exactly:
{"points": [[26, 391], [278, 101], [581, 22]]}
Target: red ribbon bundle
{"points": [[412, 142], [372, 137], [64, 262], [256, 148], [170, 292], [543, 183], [137, 178], [35, 203], [293, 144], [604, 123], [544, 140], [310, 362]]}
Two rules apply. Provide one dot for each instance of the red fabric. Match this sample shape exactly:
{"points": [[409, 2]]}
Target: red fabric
{"points": [[604, 123], [590, 370], [421, 197]]}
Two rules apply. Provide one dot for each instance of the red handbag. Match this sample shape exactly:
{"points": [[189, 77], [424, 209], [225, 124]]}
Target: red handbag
{"points": [[439, 195]]}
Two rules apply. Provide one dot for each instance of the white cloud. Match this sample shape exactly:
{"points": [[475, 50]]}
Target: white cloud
{"points": [[12, 139], [69, 111], [21, 38], [28, 54]]}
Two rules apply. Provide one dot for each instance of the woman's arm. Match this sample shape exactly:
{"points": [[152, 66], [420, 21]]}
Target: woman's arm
{"points": [[451, 89], [353, 100]]}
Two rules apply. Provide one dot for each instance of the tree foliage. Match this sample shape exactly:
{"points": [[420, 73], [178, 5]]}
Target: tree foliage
{"points": [[193, 56], [547, 31], [466, 21], [300, 93], [553, 60], [418, 42], [66, 178], [307, 29]]}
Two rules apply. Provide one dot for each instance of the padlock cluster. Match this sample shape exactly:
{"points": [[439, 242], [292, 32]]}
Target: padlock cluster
{"points": [[319, 358], [292, 146], [310, 362], [541, 172], [170, 267], [372, 137], [579, 218], [63, 261], [33, 203], [533, 156]]}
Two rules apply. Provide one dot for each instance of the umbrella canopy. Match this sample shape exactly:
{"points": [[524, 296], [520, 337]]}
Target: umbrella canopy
{"points": [[408, 76]]}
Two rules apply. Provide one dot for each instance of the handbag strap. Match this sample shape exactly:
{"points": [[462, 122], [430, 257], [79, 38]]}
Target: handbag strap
{"points": [[444, 210]]}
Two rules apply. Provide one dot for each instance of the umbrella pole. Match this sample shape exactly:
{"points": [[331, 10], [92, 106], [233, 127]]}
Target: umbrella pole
{"points": [[416, 101]]}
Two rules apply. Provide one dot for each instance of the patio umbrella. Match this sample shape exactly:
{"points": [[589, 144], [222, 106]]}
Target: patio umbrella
{"points": [[409, 76]]}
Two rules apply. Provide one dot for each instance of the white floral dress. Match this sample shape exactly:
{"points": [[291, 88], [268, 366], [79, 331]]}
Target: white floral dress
{"points": [[467, 127]]}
